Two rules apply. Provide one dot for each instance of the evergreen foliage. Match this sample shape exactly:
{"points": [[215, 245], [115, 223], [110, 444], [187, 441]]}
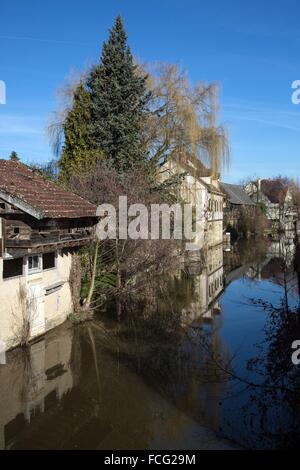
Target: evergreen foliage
{"points": [[14, 156], [118, 103], [77, 156]]}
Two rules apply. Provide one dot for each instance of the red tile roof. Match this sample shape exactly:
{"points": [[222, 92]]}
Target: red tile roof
{"points": [[46, 199]]}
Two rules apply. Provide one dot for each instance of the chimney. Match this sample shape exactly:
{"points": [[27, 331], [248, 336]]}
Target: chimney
{"points": [[259, 184], [258, 190]]}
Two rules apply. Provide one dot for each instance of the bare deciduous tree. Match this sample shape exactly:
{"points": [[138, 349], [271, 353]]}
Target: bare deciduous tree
{"points": [[120, 267], [183, 119]]}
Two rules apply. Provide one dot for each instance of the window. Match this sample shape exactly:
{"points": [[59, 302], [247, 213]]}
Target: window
{"points": [[12, 268], [194, 219], [48, 261], [34, 263], [38, 263]]}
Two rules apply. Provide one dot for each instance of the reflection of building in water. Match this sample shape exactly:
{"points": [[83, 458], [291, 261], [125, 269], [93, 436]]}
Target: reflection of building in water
{"points": [[110, 407], [279, 253], [279, 267], [284, 248], [31, 381], [208, 285], [275, 262], [207, 379]]}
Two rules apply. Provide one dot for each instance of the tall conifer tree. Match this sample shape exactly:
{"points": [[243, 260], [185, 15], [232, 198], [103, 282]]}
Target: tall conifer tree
{"points": [[118, 102]]}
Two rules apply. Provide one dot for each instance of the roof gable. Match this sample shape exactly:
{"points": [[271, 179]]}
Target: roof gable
{"points": [[236, 194]]}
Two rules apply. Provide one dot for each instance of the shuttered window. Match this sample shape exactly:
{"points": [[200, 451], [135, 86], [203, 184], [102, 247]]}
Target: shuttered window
{"points": [[12, 268], [48, 260]]}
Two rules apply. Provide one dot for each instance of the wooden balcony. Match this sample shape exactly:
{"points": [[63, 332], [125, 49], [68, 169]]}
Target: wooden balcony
{"points": [[53, 238]]}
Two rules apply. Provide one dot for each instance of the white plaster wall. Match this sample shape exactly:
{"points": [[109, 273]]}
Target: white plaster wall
{"points": [[57, 306], [209, 227]]}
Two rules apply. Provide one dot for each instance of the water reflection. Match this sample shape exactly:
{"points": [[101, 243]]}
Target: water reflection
{"points": [[31, 382], [194, 362], [268, 384], [207, 279], [74, 391]]}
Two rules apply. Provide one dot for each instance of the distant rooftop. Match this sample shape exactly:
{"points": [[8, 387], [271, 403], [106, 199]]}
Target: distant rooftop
{"points": [[236, 195], [44, 199]]}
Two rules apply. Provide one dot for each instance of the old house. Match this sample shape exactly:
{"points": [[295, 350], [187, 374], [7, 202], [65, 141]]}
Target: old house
{"points": [[200, 188], [276, 200], [236, 198], [41, 227]]}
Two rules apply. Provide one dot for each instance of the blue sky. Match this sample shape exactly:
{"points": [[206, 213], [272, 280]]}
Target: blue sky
{"points": [[251, 48]]}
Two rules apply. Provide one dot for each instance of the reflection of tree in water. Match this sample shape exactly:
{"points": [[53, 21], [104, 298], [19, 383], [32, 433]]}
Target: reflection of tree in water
{"points": [[297, 264], [272, 412], [169, 355], [127, 414], [244, 253], [278, 401], [189, 366]]}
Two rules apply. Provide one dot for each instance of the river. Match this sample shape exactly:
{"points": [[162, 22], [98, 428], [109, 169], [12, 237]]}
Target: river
{"points": [[205, 363]]}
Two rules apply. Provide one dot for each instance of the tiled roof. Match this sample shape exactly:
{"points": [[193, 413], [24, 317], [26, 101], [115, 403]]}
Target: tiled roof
{"points": [[42, 197], [236, 195]]}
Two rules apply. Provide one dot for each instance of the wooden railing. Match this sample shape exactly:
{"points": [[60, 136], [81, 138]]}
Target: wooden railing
{"points": [[47, 238]]}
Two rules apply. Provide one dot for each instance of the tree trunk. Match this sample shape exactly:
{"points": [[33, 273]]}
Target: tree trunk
{"points": [[118, 281], [93, 278], [75, 281]]}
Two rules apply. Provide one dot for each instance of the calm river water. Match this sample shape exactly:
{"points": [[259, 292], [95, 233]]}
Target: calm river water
{"points": [[205, 363]]}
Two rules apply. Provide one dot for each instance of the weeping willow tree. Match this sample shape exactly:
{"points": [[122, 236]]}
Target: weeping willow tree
{"points": [[182, 120]]}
